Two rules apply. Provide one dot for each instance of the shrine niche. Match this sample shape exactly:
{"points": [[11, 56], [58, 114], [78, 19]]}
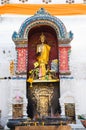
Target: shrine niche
{"points": [[17, 107], [53, 27], [42, 46], [43, 97], [17, 110], [70, 111]]}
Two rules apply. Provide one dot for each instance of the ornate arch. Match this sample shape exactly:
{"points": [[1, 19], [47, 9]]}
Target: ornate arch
{"points": [[42, 18]]}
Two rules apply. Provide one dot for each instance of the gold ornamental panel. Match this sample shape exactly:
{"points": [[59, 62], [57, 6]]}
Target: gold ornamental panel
{"points": [[43, 105], [43, 95]]}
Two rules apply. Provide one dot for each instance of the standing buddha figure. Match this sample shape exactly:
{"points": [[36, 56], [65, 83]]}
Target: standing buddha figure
{"points": [[43, 51]]}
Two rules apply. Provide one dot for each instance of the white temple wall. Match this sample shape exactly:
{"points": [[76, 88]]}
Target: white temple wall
{"points": [[41, 1], [75, 83]]}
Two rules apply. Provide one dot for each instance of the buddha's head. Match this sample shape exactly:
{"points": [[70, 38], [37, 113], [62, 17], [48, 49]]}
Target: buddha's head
{"points": [[42, 38]]}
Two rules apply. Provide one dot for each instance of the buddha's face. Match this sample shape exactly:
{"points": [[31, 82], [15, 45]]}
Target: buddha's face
{"points": [[42, 38]]}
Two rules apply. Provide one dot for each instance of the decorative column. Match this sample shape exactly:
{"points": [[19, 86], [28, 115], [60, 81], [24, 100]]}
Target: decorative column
{"points": [[64, 59], [21, 66]]}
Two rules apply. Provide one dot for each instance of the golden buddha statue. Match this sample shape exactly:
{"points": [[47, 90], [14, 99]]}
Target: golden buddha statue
{"points": [[43, 50]]}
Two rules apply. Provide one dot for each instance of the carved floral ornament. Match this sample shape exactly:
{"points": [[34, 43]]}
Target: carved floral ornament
{"points": [[17, 100]]}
